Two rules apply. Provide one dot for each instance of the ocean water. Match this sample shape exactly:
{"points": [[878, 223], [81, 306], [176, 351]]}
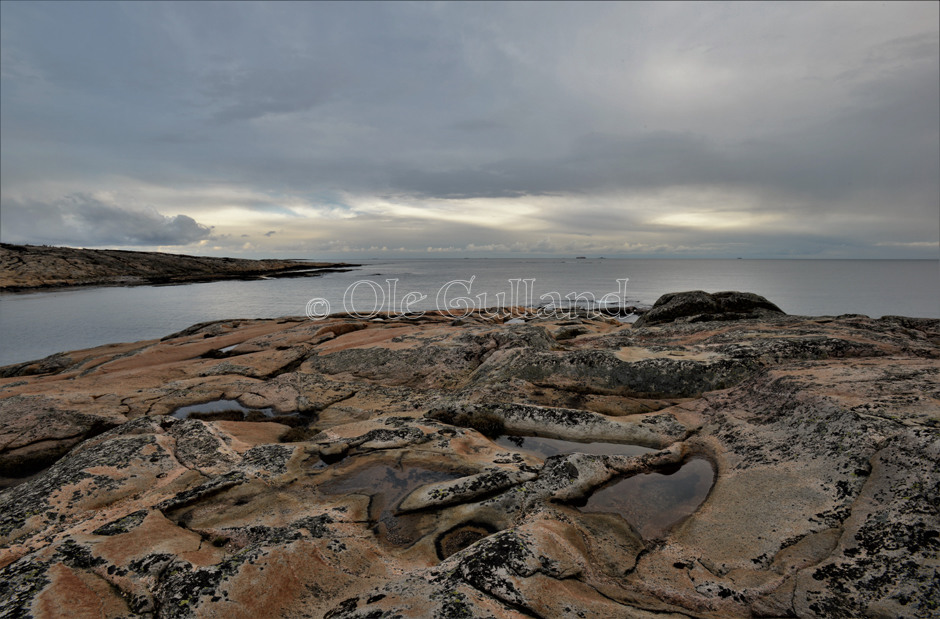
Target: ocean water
{"points": [[33, 325]]}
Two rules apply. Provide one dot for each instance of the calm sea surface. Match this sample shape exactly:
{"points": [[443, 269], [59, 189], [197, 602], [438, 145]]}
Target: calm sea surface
{"points": [[38, 324]]}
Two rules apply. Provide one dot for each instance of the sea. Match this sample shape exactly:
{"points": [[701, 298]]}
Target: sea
{"points": [[34, 325]]}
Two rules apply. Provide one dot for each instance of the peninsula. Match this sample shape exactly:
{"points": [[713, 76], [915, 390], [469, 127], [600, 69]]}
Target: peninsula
{"points": [[32, 267]]}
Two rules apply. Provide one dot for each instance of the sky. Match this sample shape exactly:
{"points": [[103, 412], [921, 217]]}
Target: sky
{"points": [[434, 130]]}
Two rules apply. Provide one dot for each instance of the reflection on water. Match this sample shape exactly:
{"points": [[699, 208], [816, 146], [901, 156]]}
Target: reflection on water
{"points": [[34, 325], [386, 486], [217, 409], [654, 502], [651, 503], [547, 447]]}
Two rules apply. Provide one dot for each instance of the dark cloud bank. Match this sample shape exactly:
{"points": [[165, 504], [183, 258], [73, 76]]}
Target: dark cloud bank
{"points": [[84, 221]]}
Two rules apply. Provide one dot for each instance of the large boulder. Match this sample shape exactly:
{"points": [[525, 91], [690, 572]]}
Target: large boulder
{"points": [[700, 306]]}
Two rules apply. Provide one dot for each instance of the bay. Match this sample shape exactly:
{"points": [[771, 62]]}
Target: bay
{"points": [[33, 325]]}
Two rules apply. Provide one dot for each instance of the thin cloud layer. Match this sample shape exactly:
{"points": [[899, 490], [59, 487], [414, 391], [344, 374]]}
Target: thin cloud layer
{"points": [[383, 128]]}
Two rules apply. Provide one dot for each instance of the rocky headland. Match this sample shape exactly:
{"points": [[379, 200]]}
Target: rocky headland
{"points": [[717, 459], [32, 267]]}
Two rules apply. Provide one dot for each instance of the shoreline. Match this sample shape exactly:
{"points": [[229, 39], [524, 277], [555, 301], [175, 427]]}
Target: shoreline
{"points": [[31, 268]]}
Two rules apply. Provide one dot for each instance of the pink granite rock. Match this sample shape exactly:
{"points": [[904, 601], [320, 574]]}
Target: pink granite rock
{"points": [[789, 468]]}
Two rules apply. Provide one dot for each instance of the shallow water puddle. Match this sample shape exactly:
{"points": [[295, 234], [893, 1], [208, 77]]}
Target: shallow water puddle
{"points": [[386, 486], [547, 447], [653, 502], [216, 408]]}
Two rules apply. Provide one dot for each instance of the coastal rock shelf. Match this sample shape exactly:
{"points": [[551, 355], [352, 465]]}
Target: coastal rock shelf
{"points": [[30, 267], [720, 460]]}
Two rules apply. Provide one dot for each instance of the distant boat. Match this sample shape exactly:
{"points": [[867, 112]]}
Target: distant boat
{"points": [[580, 257]]}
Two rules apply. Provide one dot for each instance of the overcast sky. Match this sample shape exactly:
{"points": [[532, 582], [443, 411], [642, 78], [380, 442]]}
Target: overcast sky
{"points": [[378, 130]]}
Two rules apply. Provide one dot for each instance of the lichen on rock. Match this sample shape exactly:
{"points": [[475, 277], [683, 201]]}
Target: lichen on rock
{"points": [[378, 489]]}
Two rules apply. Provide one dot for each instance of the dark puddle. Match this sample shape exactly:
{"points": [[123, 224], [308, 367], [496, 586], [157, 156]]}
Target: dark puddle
{"points": [[654, 502], [547, 447], [459, 537], [651, 502], [386, 486], [231, 410]]}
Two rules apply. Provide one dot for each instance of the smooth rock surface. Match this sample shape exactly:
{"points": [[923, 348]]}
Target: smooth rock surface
{"points": [[370, 495]]}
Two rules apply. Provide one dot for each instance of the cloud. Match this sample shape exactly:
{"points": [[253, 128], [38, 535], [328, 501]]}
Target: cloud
{"points": [[456, 125], [83, 220]]}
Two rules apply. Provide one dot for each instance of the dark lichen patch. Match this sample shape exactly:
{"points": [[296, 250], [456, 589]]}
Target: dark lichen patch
{"points": [[182, 589], [53, 364], [601, 372], [20, 581], [494, 416], [196, 444], [454, 605], [493, 563], [270, 458], [461, 536], [23, 579], [891, 561], [559, 471], [398, 422], [376, 439], [118, 448], [72, 554], [894, 537], [212, 487], [151, 564], [344, 609], [315, 525], [410, 366], [715, 590], [797, 347], [406, 435], [257, 536], [122, 525]]}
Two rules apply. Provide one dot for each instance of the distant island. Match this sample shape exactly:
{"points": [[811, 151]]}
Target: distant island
{"points": [[34, 267]]}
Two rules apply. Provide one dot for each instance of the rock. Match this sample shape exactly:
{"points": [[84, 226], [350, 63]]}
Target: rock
{"points": [[26, 267], [568, 332], [34, 432], [463, 490], [697, 306], [821, 436]]}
